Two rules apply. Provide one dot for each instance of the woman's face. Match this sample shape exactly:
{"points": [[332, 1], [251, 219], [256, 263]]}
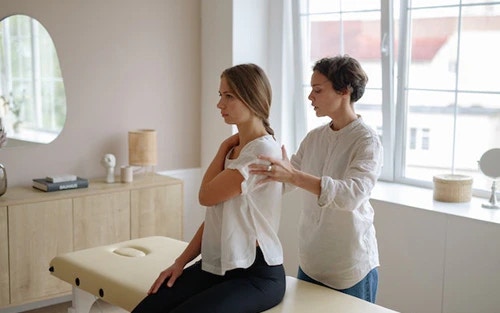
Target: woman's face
{"points": [[232, 109], [325, 100]]}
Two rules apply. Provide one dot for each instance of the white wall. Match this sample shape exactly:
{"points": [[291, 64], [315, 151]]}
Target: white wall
{"points": [[217, 54], [194, 213], [126, 64], [411, 247], [435, 262], [233, 32]]}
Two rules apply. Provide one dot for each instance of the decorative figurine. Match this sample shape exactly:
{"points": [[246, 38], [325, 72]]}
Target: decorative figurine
{"points": [[109, 162]]}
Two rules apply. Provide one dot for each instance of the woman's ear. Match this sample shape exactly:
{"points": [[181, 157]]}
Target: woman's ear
{"points": [[344, 92]]}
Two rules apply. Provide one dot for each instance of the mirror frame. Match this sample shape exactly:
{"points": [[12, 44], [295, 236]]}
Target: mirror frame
{"points": [[489, 164], [33, 106]]}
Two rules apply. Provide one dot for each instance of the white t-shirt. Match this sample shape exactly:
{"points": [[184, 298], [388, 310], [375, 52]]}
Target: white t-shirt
{"points": [[337, 243], [233, 227]]}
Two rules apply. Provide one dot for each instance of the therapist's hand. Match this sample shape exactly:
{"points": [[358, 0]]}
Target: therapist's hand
{"points": [[279, 169]]}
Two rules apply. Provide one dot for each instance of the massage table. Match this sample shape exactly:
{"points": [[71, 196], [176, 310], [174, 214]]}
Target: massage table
{"points": [[120, 274]]}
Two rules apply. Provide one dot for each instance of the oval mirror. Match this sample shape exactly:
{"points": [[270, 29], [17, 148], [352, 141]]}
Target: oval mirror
{"points": [[489, 164], [32, 94]]}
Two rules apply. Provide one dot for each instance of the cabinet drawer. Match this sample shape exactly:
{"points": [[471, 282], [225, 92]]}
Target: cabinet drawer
{"points": [[37, 232], [4, 258], [157, 212], [101, 219]]}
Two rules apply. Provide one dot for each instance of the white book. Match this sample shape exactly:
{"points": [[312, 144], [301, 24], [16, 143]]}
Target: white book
{"points": [[61, 178]]}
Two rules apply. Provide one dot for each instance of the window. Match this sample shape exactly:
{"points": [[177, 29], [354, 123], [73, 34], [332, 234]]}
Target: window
{"points": [[413, 138], [425, 139], [344, 27], [443, 110], [419, 139]]}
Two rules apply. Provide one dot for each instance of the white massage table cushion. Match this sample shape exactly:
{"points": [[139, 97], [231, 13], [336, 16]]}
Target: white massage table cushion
{"points": [[121, 273]]}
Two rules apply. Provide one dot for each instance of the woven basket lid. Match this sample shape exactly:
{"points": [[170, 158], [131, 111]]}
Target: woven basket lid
{"points": [[453, 179]]}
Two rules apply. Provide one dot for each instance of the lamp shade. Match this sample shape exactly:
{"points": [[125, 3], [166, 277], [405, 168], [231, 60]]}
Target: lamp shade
{"points": [[142, 147]]}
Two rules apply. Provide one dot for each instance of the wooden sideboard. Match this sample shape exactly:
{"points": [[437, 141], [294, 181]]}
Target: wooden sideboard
{"points": [[35, 226]]}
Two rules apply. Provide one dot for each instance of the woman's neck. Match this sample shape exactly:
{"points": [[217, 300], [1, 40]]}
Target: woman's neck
{"points": [[251, 131], [338, 125], [343, 118]]}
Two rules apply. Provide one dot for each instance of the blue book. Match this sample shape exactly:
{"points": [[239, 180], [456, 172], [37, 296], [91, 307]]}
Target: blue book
{"points": [[46, 185]]}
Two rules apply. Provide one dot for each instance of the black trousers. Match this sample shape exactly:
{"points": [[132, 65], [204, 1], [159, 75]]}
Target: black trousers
{"points": [[250, 290]]}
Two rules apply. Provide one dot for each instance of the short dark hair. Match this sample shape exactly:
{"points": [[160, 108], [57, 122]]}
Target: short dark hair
{"points": [[345, 73]]}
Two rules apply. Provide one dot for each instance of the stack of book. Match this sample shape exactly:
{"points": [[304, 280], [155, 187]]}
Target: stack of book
{"points": [[61, 182]]}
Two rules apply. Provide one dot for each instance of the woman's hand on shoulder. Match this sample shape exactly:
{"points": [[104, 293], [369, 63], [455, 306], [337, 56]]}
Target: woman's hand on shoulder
{"points": [[275, 169], [167, 276], [283, 171], [231, 141]]}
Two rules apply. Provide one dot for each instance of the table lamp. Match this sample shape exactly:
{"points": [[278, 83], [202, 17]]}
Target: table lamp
{"points": [[142, 148]]}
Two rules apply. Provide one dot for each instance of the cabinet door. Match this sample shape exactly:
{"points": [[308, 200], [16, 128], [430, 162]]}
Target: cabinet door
{"points": [[101, 219], [4, 258], [37, 233], [157, 211]]}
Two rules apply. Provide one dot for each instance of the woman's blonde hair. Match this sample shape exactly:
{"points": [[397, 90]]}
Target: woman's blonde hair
{"points": [[250, 85]]}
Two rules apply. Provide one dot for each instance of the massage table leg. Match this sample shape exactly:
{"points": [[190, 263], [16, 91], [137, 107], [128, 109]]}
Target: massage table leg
{"points": [[82, 301]]}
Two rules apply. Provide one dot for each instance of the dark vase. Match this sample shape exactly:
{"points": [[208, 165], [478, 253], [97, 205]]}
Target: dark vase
{"points": [[3, 180]]}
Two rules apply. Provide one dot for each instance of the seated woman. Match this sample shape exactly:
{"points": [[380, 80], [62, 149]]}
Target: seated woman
{"points": [[241, 256]]}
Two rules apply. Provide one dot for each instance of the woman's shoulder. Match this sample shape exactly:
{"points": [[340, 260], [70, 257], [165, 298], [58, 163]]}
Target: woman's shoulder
{"points": [[367, 129], [318, 130], [263, 145], [365, 132]]}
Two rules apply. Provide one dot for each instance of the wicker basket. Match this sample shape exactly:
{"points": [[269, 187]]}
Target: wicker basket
{"points": [[452, 188]]}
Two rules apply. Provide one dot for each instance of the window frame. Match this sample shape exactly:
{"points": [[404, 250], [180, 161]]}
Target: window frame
{"points": [[394, 104]]}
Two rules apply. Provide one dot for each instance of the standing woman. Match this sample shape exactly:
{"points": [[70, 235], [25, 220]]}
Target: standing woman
{"points": [[337, 166], [241, 256]]}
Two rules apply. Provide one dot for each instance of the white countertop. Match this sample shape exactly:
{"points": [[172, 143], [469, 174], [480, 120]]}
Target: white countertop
{"points": [[422, 198]]}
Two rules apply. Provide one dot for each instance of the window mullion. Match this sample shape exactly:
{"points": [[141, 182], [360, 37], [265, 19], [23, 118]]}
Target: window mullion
{"points": [[388, 108], [457, 67], [401, 101], [37, 80], [299, 108]]}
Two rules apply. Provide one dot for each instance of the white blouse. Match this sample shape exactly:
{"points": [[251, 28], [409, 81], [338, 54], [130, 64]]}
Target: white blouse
{"points": [[337, 243], [233, 227]]}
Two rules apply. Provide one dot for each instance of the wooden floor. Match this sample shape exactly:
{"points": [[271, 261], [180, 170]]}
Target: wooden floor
{"points": [[98, 307], [58, 308]]}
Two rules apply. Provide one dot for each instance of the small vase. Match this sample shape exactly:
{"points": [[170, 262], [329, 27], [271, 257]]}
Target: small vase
{"points": [[3, 180]]}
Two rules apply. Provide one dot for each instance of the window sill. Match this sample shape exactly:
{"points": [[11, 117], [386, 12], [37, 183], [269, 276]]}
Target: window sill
{"points": [[422, 198], [30, 135]]}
